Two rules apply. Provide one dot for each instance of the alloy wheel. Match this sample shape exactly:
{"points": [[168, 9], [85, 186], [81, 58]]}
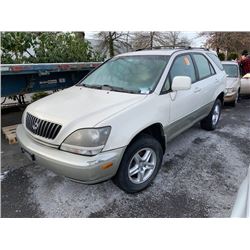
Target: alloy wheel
{"points": [[216, 114], [142, 165]]}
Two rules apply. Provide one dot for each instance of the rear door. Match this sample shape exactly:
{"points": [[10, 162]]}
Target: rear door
{"points": [[207, 79]]}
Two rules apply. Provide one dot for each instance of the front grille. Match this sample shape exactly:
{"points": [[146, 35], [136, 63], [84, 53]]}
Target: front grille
{"points": [[42, 128]]}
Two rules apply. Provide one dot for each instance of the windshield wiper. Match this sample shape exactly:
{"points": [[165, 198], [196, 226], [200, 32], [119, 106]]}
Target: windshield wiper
{"points": [[111, 88], [95, 86], [120, 89]]}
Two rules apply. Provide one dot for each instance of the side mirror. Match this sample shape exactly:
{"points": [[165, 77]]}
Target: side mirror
{"points": [[181, 83]]}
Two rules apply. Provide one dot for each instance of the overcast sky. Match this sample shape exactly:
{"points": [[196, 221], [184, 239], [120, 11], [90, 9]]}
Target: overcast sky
{"points": [[196, 41]]}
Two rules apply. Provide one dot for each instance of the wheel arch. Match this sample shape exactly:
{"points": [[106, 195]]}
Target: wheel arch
{"points": [[156, 130], [221, 97]]}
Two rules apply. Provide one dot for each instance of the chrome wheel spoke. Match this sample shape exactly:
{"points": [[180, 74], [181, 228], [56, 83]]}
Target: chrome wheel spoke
{"points": [[147, 156], [149, 165], [140, 176], [134, 170], [137, 158]]}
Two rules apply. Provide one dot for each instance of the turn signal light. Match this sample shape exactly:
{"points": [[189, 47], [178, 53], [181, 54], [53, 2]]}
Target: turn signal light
{"points": [[107, 165]]}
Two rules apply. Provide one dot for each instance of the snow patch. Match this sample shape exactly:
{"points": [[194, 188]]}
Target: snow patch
{"points": [[3, 175]]}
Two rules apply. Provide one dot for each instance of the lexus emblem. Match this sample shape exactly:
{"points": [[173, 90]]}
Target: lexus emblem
{"points": [[35, 125]]}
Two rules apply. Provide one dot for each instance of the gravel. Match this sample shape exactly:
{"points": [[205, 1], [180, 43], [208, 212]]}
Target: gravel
{"points": [[200, 176]]}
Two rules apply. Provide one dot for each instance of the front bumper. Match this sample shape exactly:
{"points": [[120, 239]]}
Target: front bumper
{"points": [[230, 97], [86, 169]]}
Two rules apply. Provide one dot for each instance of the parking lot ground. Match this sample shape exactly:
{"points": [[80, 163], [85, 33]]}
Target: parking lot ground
{"points": [[200, 176]]}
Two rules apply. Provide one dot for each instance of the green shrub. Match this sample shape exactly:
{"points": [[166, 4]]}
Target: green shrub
{"points": [[38, 96], [232, 56], [222, 56]]}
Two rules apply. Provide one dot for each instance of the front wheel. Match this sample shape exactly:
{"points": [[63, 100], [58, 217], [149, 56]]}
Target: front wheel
{"points": [[140, 164], [233, 104], [210, 122]]}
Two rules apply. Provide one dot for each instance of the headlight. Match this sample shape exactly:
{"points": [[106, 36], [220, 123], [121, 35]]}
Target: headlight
{"points": [[230, 90], [89, 141]]}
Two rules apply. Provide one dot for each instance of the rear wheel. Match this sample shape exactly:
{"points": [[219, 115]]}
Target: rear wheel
{"points": [[140, 164], [210, 122]]}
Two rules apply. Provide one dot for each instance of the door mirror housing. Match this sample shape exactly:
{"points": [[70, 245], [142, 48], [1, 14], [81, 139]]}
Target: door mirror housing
{"points": [[181, 83]]}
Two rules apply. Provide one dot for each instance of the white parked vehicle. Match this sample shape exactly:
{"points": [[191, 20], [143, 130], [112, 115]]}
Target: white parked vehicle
{"points": [[241, 207], [233, 82], [117, 121], [245, 85]]}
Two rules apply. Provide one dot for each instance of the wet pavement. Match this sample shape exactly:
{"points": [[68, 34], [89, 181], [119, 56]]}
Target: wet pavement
{"points": [[200, 176]]}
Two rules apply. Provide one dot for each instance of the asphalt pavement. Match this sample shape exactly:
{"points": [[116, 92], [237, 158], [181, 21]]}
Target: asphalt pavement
{"points": [[200, 176]]}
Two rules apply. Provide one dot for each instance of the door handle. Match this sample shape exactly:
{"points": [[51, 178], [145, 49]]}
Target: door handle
{"points": [[196, 90]]}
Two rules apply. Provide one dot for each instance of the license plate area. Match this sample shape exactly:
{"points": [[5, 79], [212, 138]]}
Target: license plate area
{"points": [[28, 154]]}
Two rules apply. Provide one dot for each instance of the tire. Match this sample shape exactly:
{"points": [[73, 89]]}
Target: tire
{"points": [[233, 104], [210, 122], [129, 176]]}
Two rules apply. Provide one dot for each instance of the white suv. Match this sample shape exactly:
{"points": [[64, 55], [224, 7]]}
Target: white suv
{"points": [[117, 121]]}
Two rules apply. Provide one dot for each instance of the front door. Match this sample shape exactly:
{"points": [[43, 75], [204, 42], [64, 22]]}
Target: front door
{"points": [[184, 103]]}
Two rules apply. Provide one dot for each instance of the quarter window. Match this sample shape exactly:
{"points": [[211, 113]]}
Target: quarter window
{"points": [[216, 60], [203, 65], [212, 69]]}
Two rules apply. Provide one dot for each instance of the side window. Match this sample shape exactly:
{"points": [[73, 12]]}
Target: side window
{"points": [[203, 65], [216, 60], [182, 66]]}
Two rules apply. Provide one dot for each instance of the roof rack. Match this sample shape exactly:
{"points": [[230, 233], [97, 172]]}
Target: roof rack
{"points": [[189, 47], [172, 47]]}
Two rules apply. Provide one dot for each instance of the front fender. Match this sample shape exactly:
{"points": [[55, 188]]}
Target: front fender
{"points": [[127, 124]]}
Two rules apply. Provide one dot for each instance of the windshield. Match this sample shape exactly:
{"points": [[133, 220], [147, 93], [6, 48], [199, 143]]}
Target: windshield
{"points": [[231, 70], [134, 74]]}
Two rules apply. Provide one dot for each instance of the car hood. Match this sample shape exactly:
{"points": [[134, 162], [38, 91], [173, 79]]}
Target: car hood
{"points": [[231, 82], [81, 107]]}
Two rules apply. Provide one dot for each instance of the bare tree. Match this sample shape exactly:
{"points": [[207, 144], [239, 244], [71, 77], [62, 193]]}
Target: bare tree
{"points": [[227, 41], [156, 38], [175, 39], [149, 39], [113, 42]]}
